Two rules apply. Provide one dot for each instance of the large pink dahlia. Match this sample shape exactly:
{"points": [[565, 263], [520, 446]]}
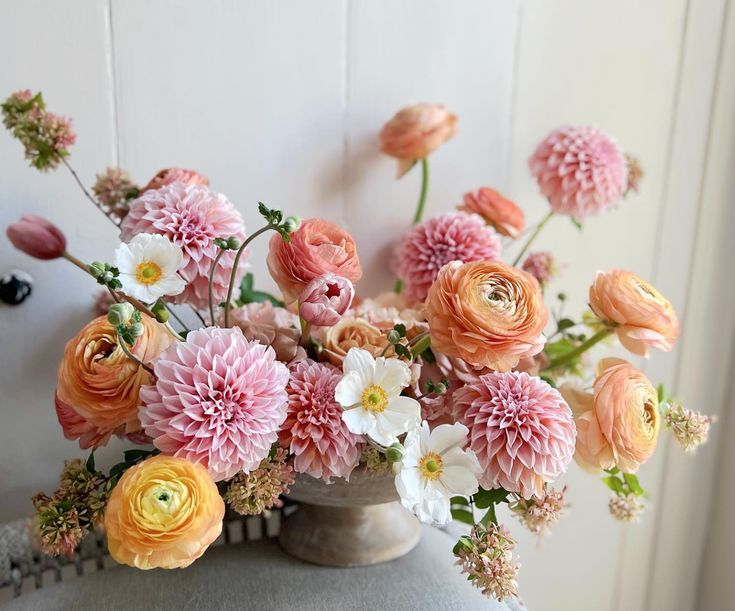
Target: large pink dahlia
{"points": [[191, 216], [314, 431], [425, 249], [521, 430], [581, 170], [219, 399]]}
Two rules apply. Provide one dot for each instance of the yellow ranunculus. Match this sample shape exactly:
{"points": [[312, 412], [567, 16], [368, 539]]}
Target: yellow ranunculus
{"points": [[163, 513]]}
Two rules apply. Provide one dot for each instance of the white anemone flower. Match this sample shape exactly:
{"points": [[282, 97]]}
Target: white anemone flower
{"points": [[370, 395], [434, 468], [148, 267]]}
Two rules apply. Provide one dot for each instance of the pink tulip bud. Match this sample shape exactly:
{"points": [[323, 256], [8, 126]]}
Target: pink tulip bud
{"points": [[37, 237], [325, 299]]}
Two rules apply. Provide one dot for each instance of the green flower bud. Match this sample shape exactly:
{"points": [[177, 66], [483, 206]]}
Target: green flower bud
{"points": [[221, 242], [96, 268], [136, 329], [233, 243], [159, 311], [440, 388], [120, 314], [395, 453], [393, 336], [291, 224]]}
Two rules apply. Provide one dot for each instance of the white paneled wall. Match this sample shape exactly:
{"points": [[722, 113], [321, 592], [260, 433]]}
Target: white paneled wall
{"points": [[281, 101]]}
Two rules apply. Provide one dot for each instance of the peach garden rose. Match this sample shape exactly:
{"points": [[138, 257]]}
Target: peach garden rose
{"points": [[487, 313], [163, 513], [352, 333]]}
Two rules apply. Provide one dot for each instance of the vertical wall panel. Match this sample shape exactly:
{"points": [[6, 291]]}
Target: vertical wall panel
{"points": [[461, 54], [61, 49]]}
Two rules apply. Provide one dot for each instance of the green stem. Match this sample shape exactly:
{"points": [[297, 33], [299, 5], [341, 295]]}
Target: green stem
{"points": [[420, 343], [131, 356], [533, 236], [424, 191], [233, 274], [583, 347], [170, 310], [211, 282], [305, 331]]}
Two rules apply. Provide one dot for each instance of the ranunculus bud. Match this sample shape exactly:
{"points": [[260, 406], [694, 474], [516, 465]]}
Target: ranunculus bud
{"points": [[120, 314], [233, 243], [37, 237], [325, 299], [291, 224]]}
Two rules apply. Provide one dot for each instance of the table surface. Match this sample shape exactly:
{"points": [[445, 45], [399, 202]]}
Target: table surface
{"points": [[259, 575]]}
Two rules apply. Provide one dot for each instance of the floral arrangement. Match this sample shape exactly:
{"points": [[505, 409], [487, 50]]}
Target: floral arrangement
{"points": [[448, 383]]}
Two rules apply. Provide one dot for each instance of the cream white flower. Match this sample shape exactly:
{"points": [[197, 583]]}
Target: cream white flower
{"points": [[370, 394], [434, 468], [148, 266]]}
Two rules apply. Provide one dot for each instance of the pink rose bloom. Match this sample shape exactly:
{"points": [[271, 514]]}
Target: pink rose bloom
{"points": [[325, 299], [271, 326], [37, 237], [426, 248], [314, 431], [415, 132], [192, 217], [317, 247], [521, 431], [581, 171], [218, 400], [169, 176], [500, 212]]}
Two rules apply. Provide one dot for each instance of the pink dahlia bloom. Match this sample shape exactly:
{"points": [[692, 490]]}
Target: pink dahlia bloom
{"points": [[426, 248], [314, 431], [218, 400], [521, 430], [192, 217], [581, 170]]}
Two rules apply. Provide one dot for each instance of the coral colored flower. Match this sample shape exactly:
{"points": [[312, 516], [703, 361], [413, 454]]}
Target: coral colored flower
{"points": [[521, 430], [271, 326], [325, 299], [37, 237], [370, 394], [618, 423], [317, 247], [314, 432], [192, 217], [98, 385], [163, 513], [415, 132], [218, 400], [435, 467], [169, 176], [581, 171], [541, 265], [504, 215], [148, 267], [487, 313], [426, 248], [256, 492], [350, 333], [643, 317]]}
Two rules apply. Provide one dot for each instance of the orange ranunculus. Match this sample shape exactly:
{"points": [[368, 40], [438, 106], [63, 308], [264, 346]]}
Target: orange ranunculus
{"points": [[487, 313], [97, 391], [163, 513], [618, 423], [415, 132], [316, 247], [500, 212], [352, 333], [644, 318]]}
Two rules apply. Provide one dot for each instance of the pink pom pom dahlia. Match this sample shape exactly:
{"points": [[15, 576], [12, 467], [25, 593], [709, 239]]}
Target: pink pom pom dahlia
{"points": [[192, 217], [314, 431], [521, 431], [218, 400], [425, 249], [581, 170]]}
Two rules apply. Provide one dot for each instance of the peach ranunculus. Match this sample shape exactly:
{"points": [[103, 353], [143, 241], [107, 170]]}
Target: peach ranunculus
{"points": [[98, 385], [168, 176], [317, 247], [415, 132], [643, 317], [163, 513], [504, 215], [487, 313], [618, 423], [351, 333]]}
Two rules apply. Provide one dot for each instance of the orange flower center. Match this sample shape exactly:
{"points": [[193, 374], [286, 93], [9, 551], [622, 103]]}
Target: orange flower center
{"points": [[148, 272], [431, 465], [374, 399]]}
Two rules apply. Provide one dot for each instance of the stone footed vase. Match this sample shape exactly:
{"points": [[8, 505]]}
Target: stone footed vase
{"points": [[342, 524]]}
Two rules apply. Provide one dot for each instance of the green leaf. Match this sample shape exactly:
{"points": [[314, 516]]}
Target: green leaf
{"points": [[133, 455], [614, 483], [90, 463], [119, 468], [489, 516], [633, 484], [462, 515], [661, 391], [401, 350], [565, 323], [462, 543], [460, 500], [249, 295], [401, 328], [549, 381], [486, 498]]}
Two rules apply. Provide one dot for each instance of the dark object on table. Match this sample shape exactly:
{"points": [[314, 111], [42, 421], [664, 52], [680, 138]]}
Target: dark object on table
{"points": [[15, 287]]}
